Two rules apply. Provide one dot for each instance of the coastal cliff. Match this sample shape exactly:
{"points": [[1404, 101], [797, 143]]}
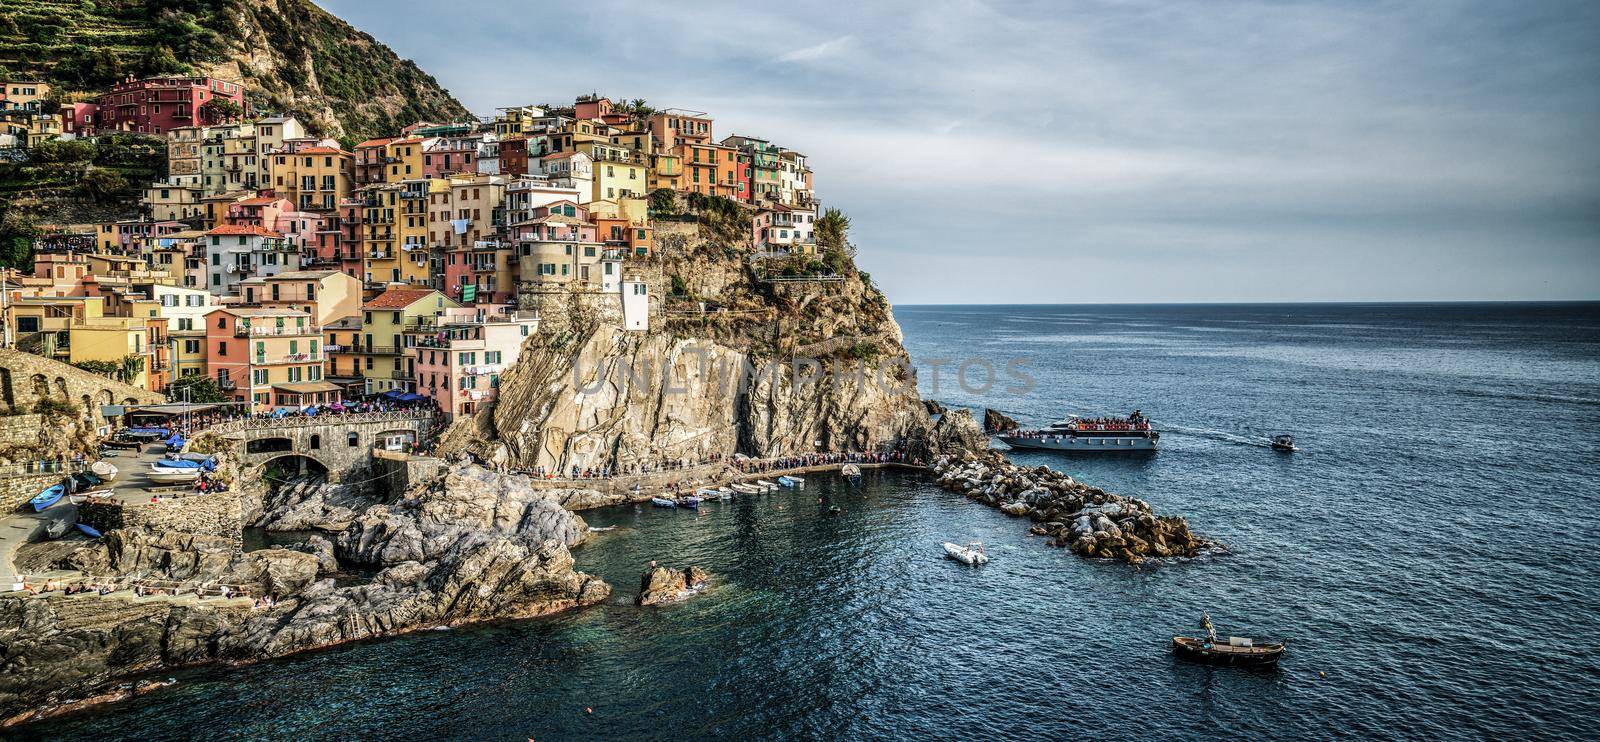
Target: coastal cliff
{"points": [[740, 358]]}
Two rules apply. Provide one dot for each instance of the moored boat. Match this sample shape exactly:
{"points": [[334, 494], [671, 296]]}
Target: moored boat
{"points": [[1133, 433], [850, 470], [788, 481], [105, 470], [972, 553], [662, 502], [49, 496], [746, 489], [767, 484], [689, 502], [171, 475], [88, 530]]}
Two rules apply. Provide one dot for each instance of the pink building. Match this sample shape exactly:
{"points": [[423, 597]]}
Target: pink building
{"points": [[314, 234], [458, 358], [156, 105], [261, 211], [449, 156]]}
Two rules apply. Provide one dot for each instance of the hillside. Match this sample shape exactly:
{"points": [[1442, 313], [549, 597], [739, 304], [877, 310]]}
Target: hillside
{"points": [[291, 56]]}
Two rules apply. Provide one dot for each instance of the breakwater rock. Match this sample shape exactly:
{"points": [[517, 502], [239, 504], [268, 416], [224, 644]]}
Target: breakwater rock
{"points": [[1090, 521], [995, 421], [661, 585]]}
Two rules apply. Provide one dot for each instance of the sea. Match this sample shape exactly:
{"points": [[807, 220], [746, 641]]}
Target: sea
{"points": [[1429, 556]]}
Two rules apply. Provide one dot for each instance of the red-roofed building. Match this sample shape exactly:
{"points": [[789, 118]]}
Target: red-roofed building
{"points": [[261, 211], [239, 251]]}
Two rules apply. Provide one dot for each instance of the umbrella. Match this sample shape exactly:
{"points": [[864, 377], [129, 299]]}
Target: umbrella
{"points": [[393, 393], [408, 397], [336, 407]]}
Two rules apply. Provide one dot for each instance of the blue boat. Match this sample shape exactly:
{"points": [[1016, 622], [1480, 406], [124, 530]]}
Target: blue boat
{"points": [[662, 502], [88, 530], [690, 502], [48, 497], [790, 481], [180, 464]]}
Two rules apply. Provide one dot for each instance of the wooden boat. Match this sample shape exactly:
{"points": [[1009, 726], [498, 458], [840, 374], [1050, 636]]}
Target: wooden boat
{"points": [[50, 496], [88, 530], [1283, 443], [1238, 652], [169, 475], [105, 470], [662, 502], [972, 553]]}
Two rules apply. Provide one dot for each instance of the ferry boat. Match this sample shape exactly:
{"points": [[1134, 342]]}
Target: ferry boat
{"points": [[1133, 433]]}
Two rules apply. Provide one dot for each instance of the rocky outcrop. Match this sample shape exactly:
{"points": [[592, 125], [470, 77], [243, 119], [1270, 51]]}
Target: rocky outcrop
{"points": [[659, 585], [468, 545], [1092, 522], [956, 433], [995, 421], [311, 503]]}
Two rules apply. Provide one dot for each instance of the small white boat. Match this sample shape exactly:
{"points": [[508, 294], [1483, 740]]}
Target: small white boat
{"points": [[972, 553], [746, 489], [767, 485], [105, 470], [662, 502], [169, 475], [725, 492], [850, 470]]}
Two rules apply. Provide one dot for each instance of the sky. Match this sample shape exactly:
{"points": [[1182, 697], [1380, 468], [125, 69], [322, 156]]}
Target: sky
{"points": [[1116, 151]]}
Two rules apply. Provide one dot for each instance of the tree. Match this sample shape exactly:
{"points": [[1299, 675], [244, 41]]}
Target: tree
{"points": [[832, 229], [17, 232], [663, 201], [220, 110], [201, 389], [100, 184]]}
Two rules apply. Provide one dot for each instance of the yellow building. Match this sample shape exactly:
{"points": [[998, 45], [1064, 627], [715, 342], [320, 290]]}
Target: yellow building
{"points": [[379, 258], [43, 324], [619, 172], [404, 159], [113, 339], [171, 202], [313, 178], [384, 321], [23, 95], [410, 264]]}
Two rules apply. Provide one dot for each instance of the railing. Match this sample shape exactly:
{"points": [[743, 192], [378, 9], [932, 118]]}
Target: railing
{"points": [[243, 331], [381, 350], [288, 358], [306, 421]]}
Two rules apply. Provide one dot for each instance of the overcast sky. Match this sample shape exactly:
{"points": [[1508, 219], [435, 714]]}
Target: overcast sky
{"points": [[1128, 150]]}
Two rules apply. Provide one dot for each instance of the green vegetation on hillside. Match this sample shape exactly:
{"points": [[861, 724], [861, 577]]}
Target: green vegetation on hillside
{"points": [[292, 56], [63, 178]]}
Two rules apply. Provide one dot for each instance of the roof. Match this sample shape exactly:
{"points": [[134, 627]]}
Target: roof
{"points": [[320, 151], [397, 298], [380, 141], [240, 229], [560, 155], [308, 387], [260, 200]]}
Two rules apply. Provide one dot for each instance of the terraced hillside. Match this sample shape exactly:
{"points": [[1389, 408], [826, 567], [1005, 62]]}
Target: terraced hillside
{"points": [[290, 55]]}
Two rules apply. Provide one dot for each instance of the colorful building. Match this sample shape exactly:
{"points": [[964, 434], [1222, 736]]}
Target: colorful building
{"points": [[236, 252], [157, 105], [457, 357], [268, 357], [384, 322], [326, 296]]}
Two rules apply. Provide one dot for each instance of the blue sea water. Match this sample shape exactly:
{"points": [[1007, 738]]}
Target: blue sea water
{"points": [[1429, 555]]}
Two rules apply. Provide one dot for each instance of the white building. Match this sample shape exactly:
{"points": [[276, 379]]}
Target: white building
{"points": [[235, 252]]}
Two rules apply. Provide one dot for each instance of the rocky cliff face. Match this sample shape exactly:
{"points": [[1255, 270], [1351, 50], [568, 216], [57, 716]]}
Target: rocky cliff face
{"points": [[468, 545], [767, 369]]}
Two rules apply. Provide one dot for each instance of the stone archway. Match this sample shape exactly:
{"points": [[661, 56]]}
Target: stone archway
{"points": [[105, 397], [6, 394], [290, 464], [88, 407]]}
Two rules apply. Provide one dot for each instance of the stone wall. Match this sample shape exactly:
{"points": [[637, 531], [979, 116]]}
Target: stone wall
{"points": [[214, 514], [26, 378], [15, 492]]}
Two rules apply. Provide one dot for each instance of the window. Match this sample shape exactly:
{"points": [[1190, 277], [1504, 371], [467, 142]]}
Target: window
{"points": [[258, 376], [316, 441], [354, 439]]}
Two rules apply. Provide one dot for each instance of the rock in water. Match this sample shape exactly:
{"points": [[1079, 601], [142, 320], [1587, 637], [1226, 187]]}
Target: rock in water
{"points": [[956, 433], [661, 585], [996, 422]]}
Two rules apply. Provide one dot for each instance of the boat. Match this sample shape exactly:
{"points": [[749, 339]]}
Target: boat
{"points": [[851, 470], [58, 528], [105, 470], [662, 502], [972, 553], [88, 530], [172, 475], [689, 502], [747, 489], [833, 510], [768, 485], [1239, 651], [48, 497], [179, 464], [84, 481], [121, 444], [1283, 443], [1130, 434], [787, 481], [726, 492]]}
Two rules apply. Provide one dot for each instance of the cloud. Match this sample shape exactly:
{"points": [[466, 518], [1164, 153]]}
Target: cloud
{"points": [[823, 50], [1233, 149]]}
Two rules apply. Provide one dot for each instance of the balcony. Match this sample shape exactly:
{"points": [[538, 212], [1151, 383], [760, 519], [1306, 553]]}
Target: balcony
{"points": [[412, 195], [290, 358], [227, 385], [380, 254], [381, 350], [241, 331]]}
